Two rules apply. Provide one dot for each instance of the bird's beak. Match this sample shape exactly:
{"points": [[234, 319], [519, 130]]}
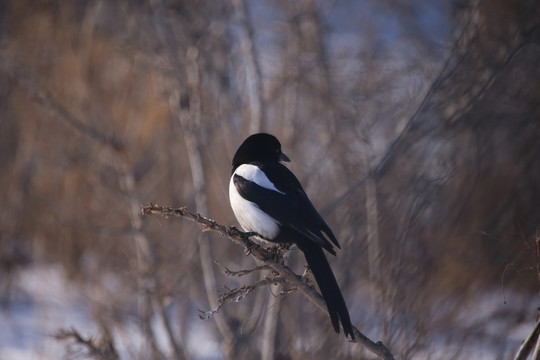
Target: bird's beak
{"points": [[284, 158]]}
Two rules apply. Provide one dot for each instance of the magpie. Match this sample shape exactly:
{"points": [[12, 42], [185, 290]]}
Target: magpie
{"points": [[268, 199]]}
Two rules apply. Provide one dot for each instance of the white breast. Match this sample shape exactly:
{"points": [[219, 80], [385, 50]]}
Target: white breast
{"points": [[249, 215]]}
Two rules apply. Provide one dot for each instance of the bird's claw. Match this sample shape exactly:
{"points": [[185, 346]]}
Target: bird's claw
{"points": [[247, 243], [283, 247], [247, 250]]}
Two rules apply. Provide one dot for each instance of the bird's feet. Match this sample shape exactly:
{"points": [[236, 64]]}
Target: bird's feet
{"points": [[247, 243]]}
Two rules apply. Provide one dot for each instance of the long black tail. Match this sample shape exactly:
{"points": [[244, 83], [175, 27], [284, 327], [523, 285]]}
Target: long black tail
{"points": [[327, 284]]}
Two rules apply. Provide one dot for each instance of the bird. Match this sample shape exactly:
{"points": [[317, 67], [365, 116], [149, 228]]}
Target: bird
{"points": [[268, 199]]}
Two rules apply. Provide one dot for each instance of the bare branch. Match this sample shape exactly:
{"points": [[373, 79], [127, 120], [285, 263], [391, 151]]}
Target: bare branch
{"points": [[255, 91], [269, 258], [228, 272], [528, 344], [42, 97], [238, 294], [103, 349]]}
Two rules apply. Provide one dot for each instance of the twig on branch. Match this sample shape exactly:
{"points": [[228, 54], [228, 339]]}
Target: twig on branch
{"points": [[270, 258], [239, 273], [103, 349], [236, 295]]}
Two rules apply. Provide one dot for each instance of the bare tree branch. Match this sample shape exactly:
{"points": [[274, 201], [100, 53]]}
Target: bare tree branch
{"points": [[238, 294], [228, 272], [255, 91], [270, 258], [102, 349], [270, 323], [528, 344]]}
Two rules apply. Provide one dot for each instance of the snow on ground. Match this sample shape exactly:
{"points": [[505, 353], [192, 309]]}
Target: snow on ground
{"points": [[43, 301]]}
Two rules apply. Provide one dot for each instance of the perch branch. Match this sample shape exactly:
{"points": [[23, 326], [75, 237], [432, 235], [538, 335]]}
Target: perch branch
{"points": [[269, 258]]}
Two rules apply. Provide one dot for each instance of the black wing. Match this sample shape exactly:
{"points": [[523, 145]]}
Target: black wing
{"points": [[292, 208]]}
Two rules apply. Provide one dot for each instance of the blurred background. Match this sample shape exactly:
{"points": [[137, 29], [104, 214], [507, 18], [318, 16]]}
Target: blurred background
{"points": [[414, 127]]}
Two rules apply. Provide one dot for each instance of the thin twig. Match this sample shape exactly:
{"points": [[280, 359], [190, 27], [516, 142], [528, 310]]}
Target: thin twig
{"points": [[239, 273], [236, 295]]}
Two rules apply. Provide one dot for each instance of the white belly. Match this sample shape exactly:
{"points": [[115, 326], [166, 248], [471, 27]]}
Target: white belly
{"points": [[250, 216]]}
